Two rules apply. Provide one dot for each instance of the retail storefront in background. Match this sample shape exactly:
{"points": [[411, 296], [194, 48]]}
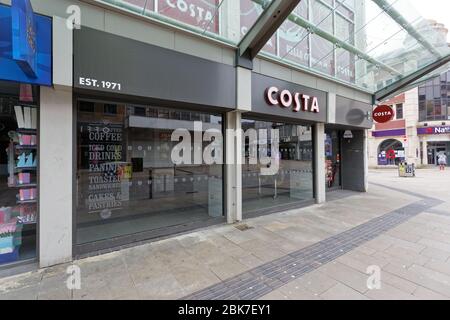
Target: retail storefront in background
{"points": [[106, 175], [434, 118], [25, 65], [420, 130]]}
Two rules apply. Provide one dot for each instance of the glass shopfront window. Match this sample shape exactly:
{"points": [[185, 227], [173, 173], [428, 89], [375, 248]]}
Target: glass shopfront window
{"points": [[434, 149], [434, 99], [292, 182], [391, 152], [127, 180], [18, 173]]}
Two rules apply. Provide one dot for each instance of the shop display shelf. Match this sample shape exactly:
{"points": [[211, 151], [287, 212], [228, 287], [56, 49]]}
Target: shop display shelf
{"points": [[26, 201], [20, 169], [29, 185], [30, 223], [28, 229], [27, 131], [21, 148]]}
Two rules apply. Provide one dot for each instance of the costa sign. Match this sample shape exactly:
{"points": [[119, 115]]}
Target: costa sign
{"points": [[383, 114], [198, 13], [295, 100]]}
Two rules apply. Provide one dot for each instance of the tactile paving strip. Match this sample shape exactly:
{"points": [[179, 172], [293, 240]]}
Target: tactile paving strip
{"points": [[262, 280]]}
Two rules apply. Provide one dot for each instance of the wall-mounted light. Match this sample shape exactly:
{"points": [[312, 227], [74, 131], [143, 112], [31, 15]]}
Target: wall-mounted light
{"points": [[348, 134]]}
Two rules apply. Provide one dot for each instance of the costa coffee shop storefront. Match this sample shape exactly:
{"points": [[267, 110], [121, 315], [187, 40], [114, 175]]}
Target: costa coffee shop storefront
{"points": [[293, 110], [129, 97], [320, 134]]}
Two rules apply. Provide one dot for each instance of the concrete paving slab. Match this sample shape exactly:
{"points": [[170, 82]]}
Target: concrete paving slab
{"points": [[342, 292], [444, 246], [419, 279], [435, 254], [315, 282], [346, 275], [387, 292], [438, 265], [426, 294]]}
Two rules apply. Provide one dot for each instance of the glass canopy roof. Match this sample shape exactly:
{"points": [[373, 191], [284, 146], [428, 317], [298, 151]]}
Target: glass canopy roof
{"points": [[370, 44], [224, 20]]}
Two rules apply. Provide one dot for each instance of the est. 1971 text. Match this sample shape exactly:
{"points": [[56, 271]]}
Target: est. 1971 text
{"points": [[100, 84]]}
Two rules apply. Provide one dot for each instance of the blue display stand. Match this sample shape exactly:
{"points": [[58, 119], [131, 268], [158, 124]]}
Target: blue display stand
{"points": [[10, 257]]}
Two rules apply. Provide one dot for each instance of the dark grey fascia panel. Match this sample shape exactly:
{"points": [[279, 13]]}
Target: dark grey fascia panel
{"points": [[260, 106], [353, 113], [152, 72]]}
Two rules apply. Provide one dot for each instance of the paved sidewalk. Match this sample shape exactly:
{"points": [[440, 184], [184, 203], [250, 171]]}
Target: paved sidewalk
{"points": [[401, 226]]}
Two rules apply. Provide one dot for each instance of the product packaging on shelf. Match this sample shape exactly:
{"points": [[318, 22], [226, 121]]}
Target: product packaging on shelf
{"points": [[7, 244], [5, 214], [27, 140], [26, 161], [27, 194], [19, 117], [24, 178], [26, 213], [9, 227], [26, 117]]}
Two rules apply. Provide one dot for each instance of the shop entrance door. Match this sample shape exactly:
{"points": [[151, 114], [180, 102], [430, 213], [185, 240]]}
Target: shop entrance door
{"points": [[431, 156], [333, 159], [438, 152], [434, 149]]}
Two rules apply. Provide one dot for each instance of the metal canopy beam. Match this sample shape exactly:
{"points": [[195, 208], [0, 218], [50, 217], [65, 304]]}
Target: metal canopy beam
{"points": [[397, 17], [268, 23], [398, 86]]}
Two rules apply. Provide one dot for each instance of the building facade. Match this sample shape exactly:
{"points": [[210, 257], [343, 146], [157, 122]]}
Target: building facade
{"points": [[420, 130], [146, 124]]}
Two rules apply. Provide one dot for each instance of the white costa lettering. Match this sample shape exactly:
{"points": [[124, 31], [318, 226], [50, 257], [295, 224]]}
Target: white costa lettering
{"points": [[315, 105], [382, 114], [305, 102], [193, 10], [269, 95], [297, 101], [286, 98]]}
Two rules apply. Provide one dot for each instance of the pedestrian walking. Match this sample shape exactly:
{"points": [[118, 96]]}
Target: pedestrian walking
{"points": [[442, 161]]}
